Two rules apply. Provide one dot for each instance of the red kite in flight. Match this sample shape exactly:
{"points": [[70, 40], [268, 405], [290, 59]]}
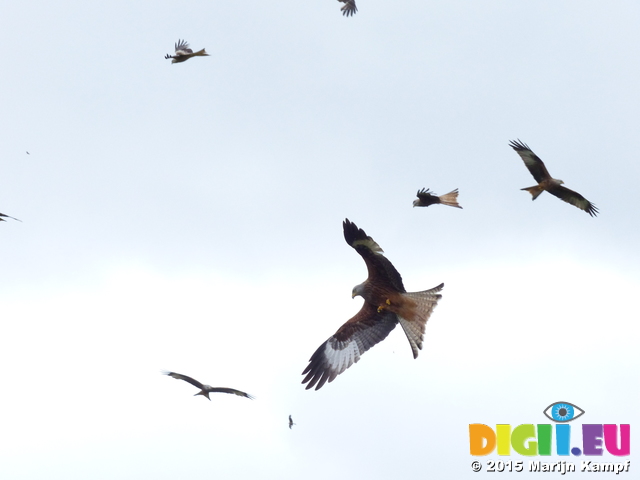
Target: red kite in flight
{"points": [[206, 389], [386, 303], [291, 424], [545, 182], [184, 53], [349, 8], [426, 198], [6, 216]]}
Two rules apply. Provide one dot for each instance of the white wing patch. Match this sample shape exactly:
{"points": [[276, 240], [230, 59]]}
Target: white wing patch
{"points": [[334, 356], [341, 355]]}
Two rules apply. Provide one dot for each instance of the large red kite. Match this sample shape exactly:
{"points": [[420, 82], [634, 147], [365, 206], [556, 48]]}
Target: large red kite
{"points": [[349, 8], [206, 389], [386, 303], [426, 198], [184, 53], [545, 182]]}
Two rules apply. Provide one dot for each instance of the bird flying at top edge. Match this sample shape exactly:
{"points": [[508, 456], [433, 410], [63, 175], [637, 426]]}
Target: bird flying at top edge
{"points": [[349, 9], [206, 389], [386, 303], [426, 198], [184, 53], [291, 424], [545, 182], [6, 216]]}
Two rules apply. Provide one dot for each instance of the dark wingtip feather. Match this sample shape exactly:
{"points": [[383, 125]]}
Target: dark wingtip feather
{"points": [[518, 145], [352, 232]]}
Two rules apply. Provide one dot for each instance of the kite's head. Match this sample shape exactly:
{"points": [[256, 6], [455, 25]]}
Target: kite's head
{"points": [[416, 203], [357, 290]]}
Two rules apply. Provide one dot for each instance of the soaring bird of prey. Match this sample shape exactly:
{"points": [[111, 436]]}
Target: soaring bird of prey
{"points": [[545, 182], [206, 389], [6, 216], [426, 198], [386, 302], [184, 53], [349, 8], [291, 424]]}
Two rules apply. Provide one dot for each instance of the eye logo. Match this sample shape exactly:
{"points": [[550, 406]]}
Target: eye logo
{"points": [[563, 412]]}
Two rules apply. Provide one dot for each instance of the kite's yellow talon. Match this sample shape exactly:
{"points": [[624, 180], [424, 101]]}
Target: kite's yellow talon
{"points": [[380, 308], [388, 302]]}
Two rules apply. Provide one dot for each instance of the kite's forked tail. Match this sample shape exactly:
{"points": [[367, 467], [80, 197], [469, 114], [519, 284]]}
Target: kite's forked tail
{"points": [[534, 191], [413, 326], [201, 53], [450, 199]]}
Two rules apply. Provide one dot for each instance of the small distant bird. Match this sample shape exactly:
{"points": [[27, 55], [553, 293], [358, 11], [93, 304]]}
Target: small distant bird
{"points": [[291, 424], [545, 182], [28, 153], [6, 216], [426, 198], [386, 303], [206, 389], [184, 53], [349, 8]]}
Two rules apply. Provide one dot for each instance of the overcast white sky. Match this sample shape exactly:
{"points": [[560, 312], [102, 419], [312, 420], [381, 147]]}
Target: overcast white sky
{"points": [[189, 217]]}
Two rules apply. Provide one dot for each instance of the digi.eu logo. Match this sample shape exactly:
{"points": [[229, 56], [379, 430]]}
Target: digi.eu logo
{"points": [[531, 440]]}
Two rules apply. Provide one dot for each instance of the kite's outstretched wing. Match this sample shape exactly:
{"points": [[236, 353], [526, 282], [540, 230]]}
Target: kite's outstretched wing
{"points": [[6, 216], [349, 8], [190, 380], [183, 47], [531, 161], [380, 269], [344, 348], [229, 390], [574, 198]]}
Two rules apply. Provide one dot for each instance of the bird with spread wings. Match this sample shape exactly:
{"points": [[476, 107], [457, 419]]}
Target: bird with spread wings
{"points": [[206, 389], [546, 182], [426, 198], [386, 303], [349, 8], [184, 53]]}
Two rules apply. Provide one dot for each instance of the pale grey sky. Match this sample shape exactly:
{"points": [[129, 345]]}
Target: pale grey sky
{"points": [[188, 217]]}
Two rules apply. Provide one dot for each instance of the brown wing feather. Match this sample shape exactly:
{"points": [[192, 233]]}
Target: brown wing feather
{"points": [[531, 161], [574, 198], [183, 46], [6, 216], [344, 348], [349, 8], [427, 198], [380, 269], [229, 390], [190, 380]]}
